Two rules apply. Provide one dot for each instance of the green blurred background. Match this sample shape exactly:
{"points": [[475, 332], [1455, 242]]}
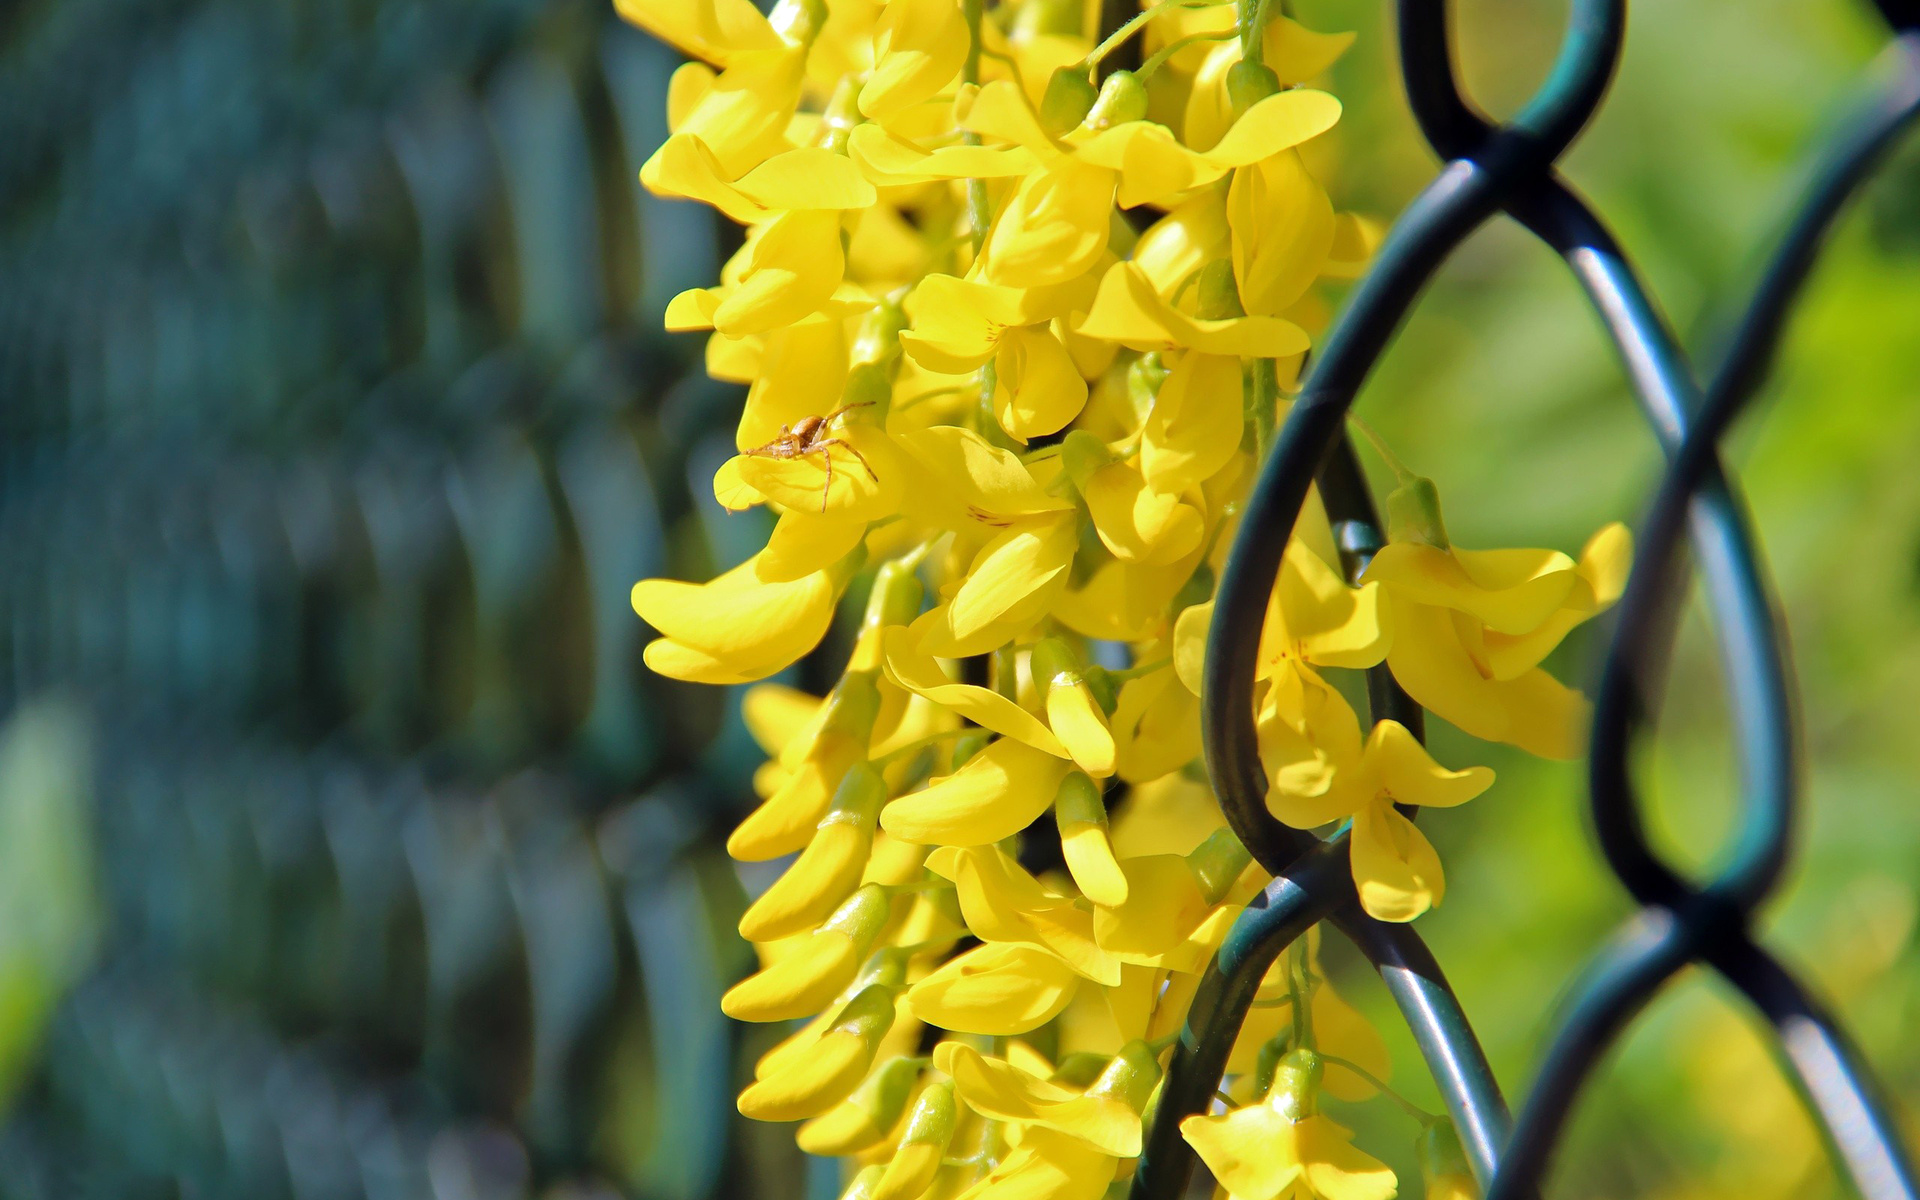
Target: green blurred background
{"points": [[345, 849]]}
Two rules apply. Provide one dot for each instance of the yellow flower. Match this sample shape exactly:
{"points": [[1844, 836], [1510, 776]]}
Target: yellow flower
{"points": [[917, 1157], [738, 628], [829, 868], [995, 795], [1474, 625], [1105, 1114], [1001, 902], [807, 1079], [919, 46], [1001, 988], [1047, 1165], [719, 31], [1262, 1153], [1128, 310], [811, 970], [1394, 865]]}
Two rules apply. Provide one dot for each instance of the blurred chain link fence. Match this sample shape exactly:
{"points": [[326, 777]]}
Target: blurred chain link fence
{"points": [[332, 437]]}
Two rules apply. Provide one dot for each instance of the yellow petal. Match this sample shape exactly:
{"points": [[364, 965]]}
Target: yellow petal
{"points": [[1338, 1170], [1037, 389], [1090, 860], [998, 110], [968, 485], [1251, 1150], [719, 31], [1047, 1165], [786, 820], [1011, 584], [1512, 591], [1054, 228], [1081, 727], [999, 989], [1003, 903], [920, 46], [1408, 773], [742, 627], [957, 323], [1194, 427], [798, 984], [1127, 310], [1275, 124], [828, 870], [893, 161], [859, 490], [802, 543], [917, 671], [742, 113], [1534, 711], [811, 1083], [995, 795], [1282, 227], [1164, 905], [1002, 1092], [1313, 616], [776, 715], [1156, 727], [801, 373], [1138, 523], [1395, 867]]}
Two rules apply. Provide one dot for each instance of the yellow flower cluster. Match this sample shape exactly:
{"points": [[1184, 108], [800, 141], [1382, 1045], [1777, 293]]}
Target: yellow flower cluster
{"points": [[1014, 326]]}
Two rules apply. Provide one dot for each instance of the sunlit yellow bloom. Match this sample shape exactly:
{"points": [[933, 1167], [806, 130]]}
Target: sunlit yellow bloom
{"points": [[1047, 1165], [1085, 841], [812, 969], [738, 628], [1001, 988], [1475, 625], [919, 672], [1010, 583], [789, 269], [1037, 388], [958, 323], [1105, 1114], [814, 1076], [719, 31], [1193, 429], [741, 115], [1001, 902], [1129, 311], [829, 868], [919, 47], [995, 795], [1261, 1153], [810, 178], [1394, 865], [866, 1117], [916, 1159], [1282, 225]]}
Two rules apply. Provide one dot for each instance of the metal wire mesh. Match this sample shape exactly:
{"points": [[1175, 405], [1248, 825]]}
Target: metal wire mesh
{"points": [[1492, 169]]}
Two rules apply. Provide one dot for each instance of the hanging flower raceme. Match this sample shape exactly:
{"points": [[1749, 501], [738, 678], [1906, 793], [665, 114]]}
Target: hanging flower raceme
{"points": [[1015, 328]]}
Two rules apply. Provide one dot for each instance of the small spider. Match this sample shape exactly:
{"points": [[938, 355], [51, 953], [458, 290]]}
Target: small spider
{"points": [[803, 438]]}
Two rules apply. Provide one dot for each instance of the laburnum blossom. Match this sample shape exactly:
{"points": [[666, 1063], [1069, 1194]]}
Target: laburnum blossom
{"points": [[1014, 329]]}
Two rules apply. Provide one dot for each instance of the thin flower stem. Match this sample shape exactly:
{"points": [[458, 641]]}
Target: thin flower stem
{"points": [[1409, 1107], [1120, 35], [1379, 445], [1174, 47], [1254, 15], [976, 188]]}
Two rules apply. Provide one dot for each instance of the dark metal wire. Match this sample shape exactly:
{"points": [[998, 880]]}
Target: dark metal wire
{"points": [[1510, 168]]}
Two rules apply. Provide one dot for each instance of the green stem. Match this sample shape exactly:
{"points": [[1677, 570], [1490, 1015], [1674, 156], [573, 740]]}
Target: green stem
{"points": [[1171, 48], [1379, 444], [1263, 388], [1119, 36], [1254, 15], [1409, 1107]]}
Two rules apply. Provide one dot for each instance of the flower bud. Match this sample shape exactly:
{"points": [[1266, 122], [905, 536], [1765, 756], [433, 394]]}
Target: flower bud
{"points": [[1069, 97], [1081, 814], [863, 1183], [1123, 98], [829, 869], [865, 1118], [809, 1081], [1072, 713], [1443, 1163], [1217, 862], [1248, 83], [929, 1129], [1081, 454], [1218, 293], [1413, 513], [811, 976], [1296, 1084], [1129, 1077]]}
